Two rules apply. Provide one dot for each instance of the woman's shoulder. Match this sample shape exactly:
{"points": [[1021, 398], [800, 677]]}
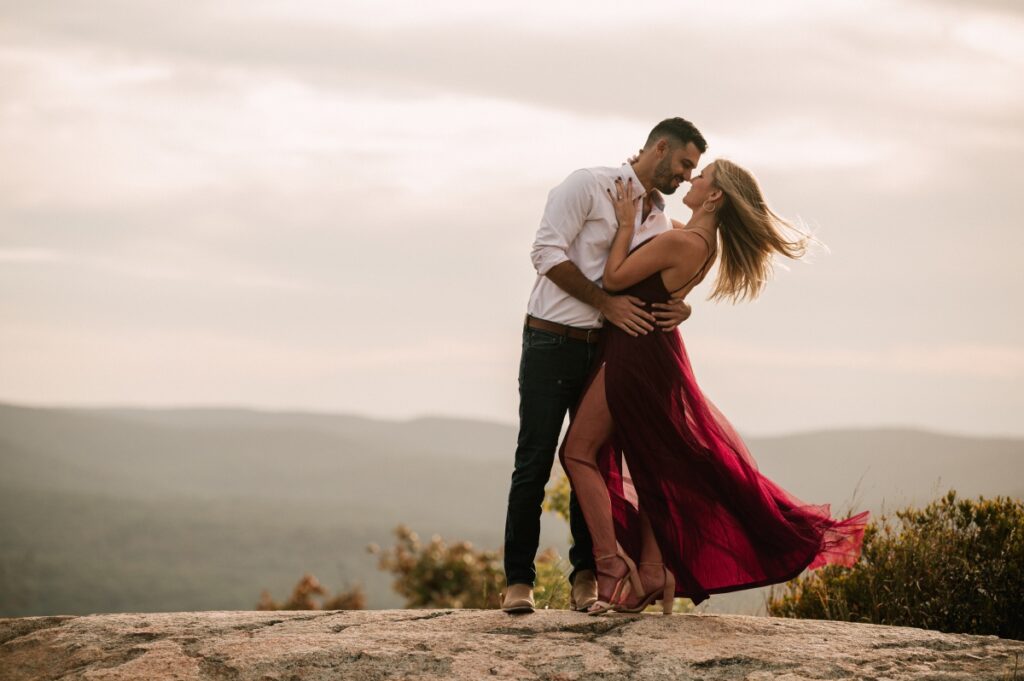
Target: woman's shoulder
{"points": [[686, 240]]}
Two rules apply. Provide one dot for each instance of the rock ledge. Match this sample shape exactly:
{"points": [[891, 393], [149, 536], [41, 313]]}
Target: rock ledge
{"points": [[370, 645]]}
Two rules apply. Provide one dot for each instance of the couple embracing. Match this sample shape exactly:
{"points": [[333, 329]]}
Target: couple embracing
{"points": [[666, 500]]}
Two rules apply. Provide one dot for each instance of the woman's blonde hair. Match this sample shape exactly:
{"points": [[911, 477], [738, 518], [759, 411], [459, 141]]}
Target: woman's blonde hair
{"points": [[750, 232]]}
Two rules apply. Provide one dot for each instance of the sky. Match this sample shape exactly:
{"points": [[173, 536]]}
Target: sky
{"points": [[329, 206]]}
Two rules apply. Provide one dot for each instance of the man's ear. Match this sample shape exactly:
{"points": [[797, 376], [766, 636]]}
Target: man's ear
{"points": [[661, 146]]}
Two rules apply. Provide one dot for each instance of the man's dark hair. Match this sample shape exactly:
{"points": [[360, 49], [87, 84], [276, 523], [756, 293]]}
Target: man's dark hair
{"points": [[679, 131]]}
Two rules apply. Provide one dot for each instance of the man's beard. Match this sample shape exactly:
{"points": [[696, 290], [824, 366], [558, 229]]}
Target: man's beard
{"points": [[663, 177]]}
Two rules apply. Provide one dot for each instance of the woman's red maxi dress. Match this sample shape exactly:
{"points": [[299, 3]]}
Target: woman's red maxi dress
{"points": [[721, 525]]}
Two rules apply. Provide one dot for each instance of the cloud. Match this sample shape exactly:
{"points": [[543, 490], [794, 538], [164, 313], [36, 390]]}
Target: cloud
{"points": [[265, 185], [153, 271], [970, 360], [29, 255], [998, 36], [836, 59], [1004, 7], [284, 98]]}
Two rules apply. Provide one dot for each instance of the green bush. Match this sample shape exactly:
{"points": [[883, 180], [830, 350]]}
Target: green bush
{"points": [[956, 565]]}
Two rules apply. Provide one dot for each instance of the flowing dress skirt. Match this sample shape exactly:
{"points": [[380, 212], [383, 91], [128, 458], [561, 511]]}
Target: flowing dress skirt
{"points": [[720, 524]]}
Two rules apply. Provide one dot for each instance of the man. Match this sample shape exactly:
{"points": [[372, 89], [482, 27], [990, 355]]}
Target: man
{"points": [[565, 313]]}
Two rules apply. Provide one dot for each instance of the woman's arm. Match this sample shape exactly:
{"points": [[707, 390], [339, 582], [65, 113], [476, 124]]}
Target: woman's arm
{"points": [[670, 249]]}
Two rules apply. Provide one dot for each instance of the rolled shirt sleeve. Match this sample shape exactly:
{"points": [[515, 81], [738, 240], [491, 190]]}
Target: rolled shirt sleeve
{"points": [[568, 207]]}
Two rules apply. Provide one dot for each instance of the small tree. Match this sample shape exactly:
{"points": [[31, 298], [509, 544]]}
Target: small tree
{"points": [[954, 566]]}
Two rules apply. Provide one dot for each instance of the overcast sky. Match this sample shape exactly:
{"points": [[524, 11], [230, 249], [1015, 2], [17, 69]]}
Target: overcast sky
{"points": [[330, 205]]}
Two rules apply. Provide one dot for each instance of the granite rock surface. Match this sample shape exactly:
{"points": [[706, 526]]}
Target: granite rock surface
{"points": [[376, 645]]}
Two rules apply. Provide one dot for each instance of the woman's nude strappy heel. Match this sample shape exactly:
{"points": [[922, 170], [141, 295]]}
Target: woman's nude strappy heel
{"points": [[632, 578], [667, 591]]}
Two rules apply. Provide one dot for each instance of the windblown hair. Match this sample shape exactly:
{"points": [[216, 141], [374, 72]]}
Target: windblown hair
{"points": [[750, 233], [679, 132]]}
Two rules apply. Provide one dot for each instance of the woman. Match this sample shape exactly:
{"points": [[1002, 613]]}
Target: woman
{"points": [[693, 515]]}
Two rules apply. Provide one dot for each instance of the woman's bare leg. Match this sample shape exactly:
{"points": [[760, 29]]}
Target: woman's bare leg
{"points": [[591, 428], [650, 566], [649, 551]]}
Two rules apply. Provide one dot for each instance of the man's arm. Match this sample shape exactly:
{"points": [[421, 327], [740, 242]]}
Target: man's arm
{"points": [[567, 209], [625, 312]]}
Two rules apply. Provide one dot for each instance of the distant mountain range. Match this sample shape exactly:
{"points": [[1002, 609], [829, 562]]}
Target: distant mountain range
{"points": [[107, 510]]}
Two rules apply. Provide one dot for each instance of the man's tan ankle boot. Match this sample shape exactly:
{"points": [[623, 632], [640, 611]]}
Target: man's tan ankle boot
{"points": [[584, 590], [518, 598]]}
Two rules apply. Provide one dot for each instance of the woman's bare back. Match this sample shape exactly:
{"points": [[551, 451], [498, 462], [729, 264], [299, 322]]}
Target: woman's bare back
{"points": [[684, 271]]}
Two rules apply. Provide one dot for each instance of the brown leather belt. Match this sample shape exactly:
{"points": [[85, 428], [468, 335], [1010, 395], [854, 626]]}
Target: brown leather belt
{"points": [[576, 333]]}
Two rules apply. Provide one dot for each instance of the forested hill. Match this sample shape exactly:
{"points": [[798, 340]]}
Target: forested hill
{"points": [[116, 509]]}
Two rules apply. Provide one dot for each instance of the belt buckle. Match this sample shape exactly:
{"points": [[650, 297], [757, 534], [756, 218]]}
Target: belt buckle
{"points": [[591, 331]]}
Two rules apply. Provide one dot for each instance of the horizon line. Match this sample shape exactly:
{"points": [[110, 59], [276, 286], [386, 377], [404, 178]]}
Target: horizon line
{"points": [[426, 416]]}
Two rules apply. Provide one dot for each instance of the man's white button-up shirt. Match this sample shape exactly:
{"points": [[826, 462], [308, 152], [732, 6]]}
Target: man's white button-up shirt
{"points": [[579, 225]]}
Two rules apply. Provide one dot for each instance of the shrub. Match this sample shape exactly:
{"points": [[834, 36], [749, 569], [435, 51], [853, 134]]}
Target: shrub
{"points": [[551, 589], [439, 575], [956, 565], [442, 575], [556, 497], [302, 597]]}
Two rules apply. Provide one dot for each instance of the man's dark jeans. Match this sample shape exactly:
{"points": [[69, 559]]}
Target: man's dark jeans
{"points": [[552, 372]]}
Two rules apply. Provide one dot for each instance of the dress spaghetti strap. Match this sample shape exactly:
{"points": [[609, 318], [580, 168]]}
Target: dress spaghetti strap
{"points": [[711, 254]]}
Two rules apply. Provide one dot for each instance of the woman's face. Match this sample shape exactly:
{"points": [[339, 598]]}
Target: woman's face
{"points": [[701, 188]]}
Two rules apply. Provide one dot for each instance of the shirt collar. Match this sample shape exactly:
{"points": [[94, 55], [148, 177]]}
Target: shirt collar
{"points": [[657, 200]]}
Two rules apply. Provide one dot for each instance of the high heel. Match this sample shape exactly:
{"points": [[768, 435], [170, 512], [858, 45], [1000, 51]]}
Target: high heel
{"points": [[631, 578], [667, 590]]}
